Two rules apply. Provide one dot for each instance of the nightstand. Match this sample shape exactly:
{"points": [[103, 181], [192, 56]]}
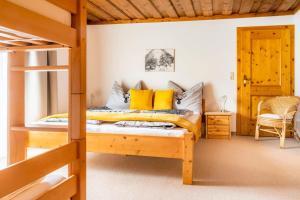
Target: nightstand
{"points": [[218, 125]]}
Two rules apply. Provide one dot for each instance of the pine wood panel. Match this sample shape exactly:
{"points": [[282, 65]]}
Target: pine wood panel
{"points": [[265, 60], [141, 11], [92, 8], [165, 8], [147, 8], [128, 8]]}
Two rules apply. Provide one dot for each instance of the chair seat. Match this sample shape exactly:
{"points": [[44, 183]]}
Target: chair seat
{"points": [[272, 116]]}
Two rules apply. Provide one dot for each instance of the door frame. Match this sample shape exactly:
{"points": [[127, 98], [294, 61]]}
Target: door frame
{"points": [[239, 66]]}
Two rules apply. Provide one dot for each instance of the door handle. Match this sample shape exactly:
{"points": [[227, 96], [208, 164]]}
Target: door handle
{"points": [[246, 80]]}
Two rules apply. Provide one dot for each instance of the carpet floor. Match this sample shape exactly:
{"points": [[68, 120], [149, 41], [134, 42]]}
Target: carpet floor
{"points": [[236, 169]]}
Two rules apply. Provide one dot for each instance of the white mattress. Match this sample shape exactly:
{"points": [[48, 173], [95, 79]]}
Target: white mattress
{"points": [[36, 189], [111, 128]]}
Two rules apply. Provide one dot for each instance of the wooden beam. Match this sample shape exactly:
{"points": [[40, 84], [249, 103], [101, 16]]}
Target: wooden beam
{"points": [[39, 68], [98, 12], [207, 7], [33, 47], [286, 5], [246, 6], [165, 8], [197, 7], [114, 11], [43, 128], [38, 167], [12, 42], [215, 17], [128, 8], [227, 7], [26, 21], [147, 8], [77, 98], [68, 5]]}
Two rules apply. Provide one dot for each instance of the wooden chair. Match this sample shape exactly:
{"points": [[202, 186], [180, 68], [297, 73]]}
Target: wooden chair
{"points": [[276, 114]]}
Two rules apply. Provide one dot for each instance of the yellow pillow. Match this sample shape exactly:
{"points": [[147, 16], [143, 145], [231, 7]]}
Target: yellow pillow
{"points": [[141, 99], [163, 100]]}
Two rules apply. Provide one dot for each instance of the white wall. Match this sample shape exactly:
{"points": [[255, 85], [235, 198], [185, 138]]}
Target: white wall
{"points": [[205, 51]]}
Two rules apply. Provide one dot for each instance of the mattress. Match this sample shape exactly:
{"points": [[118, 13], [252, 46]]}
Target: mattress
{"points": [[36, 189], [113, 129]]}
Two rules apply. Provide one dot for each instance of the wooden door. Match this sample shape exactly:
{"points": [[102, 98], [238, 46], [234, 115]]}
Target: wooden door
{"points": [[265, 69]]}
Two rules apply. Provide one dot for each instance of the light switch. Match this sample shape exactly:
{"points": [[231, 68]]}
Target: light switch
{"points": [[231, 75]]}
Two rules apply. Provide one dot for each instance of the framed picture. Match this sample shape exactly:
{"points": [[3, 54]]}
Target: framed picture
{"points": [[160, 60]]}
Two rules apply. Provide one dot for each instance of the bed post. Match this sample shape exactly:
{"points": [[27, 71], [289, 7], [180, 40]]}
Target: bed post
{"points": [[77, 98], [17, 141], [188, 157]]}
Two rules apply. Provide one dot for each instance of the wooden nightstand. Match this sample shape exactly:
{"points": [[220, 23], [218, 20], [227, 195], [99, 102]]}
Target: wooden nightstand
{"points": [[218, 125]]}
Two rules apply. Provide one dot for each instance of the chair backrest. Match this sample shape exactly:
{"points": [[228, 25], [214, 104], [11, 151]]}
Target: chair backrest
{"points": [[279, 104]]}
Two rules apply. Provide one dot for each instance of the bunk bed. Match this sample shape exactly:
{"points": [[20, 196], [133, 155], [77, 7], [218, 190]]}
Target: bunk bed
{"points": [[23, 136], [21, 30]]}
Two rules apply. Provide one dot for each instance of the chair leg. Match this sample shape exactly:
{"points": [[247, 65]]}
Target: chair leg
{"points": [[282, 136], [257, 132]]}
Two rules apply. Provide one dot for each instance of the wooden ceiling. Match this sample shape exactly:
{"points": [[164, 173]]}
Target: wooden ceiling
{"points": [[14, 40], [135, 11]]}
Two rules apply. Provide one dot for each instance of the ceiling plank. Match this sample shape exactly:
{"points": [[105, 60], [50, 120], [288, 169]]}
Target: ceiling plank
{"points": [[246, 6], [165, 7], [207, 7], [197, 7], [15, 37], [178, 7], [227, 7], [276, 4], [98, 12], [93, 18], [265, 6], [147, 8], [286, 5], [296, 5], [111, 9], [3, 45], [214, 17], [188, 8], [128, 8], [255, 6], [217, 7], [68, 5], [236, 6]]}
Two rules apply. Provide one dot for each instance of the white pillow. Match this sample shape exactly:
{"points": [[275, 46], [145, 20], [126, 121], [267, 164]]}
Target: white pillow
{"points": [[187, 100], [118, 98]]}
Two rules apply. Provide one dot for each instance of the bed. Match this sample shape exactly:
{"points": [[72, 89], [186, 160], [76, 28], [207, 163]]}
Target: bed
{"points": [[177, 143]]}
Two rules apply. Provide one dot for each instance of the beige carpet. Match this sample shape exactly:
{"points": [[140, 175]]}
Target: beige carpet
{"points": [[237, 169]]}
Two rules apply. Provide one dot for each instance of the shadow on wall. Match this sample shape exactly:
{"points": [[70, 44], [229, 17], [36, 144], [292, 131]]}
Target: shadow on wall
{"points": [[211, 103]]}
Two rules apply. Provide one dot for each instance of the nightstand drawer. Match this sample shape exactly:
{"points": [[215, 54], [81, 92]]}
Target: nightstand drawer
{"points": [[219, 120], [218, 130]]}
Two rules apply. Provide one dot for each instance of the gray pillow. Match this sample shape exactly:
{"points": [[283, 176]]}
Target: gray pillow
{"points": [[118, 98], [190, 99]]}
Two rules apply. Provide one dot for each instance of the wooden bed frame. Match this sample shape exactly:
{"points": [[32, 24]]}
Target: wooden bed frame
{"points": [[18, 24]]}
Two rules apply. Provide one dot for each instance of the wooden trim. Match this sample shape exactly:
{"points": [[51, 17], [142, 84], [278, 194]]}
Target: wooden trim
{"points": [[38, 128], [175, 19], [64, 190], [34, 47], [35, 24], [38, 167], [68, 5], [40, 68]]}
